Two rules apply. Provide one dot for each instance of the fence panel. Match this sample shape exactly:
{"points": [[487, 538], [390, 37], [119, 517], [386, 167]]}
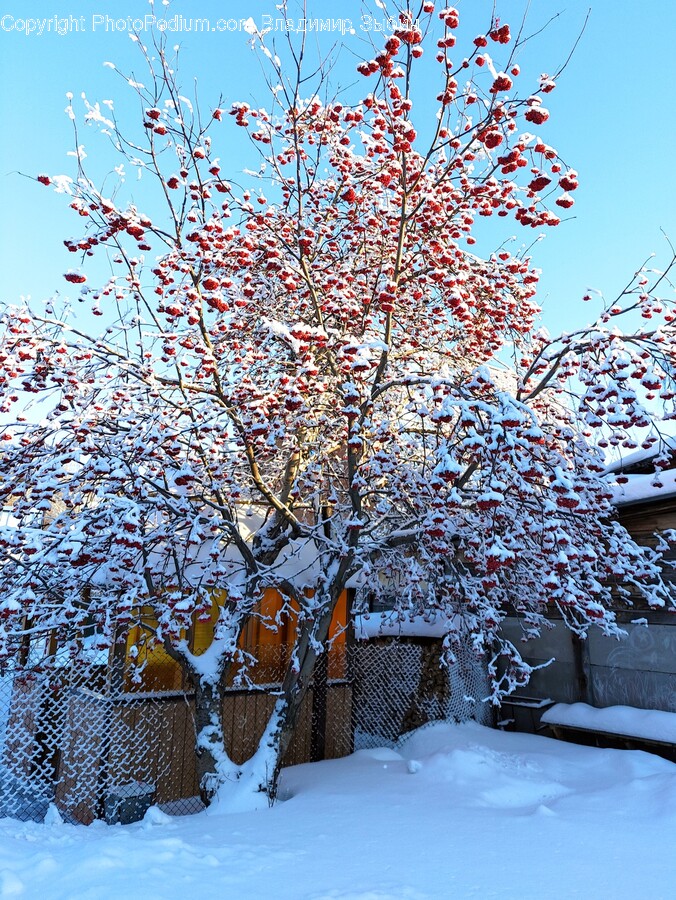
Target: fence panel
{"points": [[68, 736]]}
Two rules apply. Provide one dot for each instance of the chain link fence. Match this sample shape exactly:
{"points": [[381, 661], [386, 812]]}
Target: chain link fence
{"points": [[101, 749], [399, 685]]}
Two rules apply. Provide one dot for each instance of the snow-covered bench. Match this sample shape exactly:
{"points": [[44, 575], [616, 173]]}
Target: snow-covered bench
{"points": [[628, 726]]}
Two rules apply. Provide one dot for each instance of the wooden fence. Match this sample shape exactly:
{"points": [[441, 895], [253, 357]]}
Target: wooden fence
{"points": [[155, 736]]}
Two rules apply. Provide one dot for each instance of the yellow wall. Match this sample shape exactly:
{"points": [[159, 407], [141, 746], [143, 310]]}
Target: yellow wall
{"points": [[268, 636], [159, 672]]}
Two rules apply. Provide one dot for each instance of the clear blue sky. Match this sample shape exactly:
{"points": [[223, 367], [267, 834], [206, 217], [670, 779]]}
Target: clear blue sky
{"points": [[612, 119]]}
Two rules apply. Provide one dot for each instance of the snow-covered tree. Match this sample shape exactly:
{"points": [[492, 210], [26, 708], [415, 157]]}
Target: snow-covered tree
{"points": [[322, 386]]}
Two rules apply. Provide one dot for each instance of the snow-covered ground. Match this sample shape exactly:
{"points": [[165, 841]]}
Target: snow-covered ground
{"points": [[458, 812]]}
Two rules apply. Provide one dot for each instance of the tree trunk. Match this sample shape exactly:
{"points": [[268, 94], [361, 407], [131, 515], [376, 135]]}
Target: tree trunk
{"points": [[209, 742], [296, 683], [320, 690], [254, 782]]}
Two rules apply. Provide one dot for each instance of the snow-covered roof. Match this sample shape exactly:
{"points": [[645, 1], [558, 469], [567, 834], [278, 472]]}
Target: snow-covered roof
{"points": [[639, 482], [638, 457], [392, 624], [643, 488]]}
